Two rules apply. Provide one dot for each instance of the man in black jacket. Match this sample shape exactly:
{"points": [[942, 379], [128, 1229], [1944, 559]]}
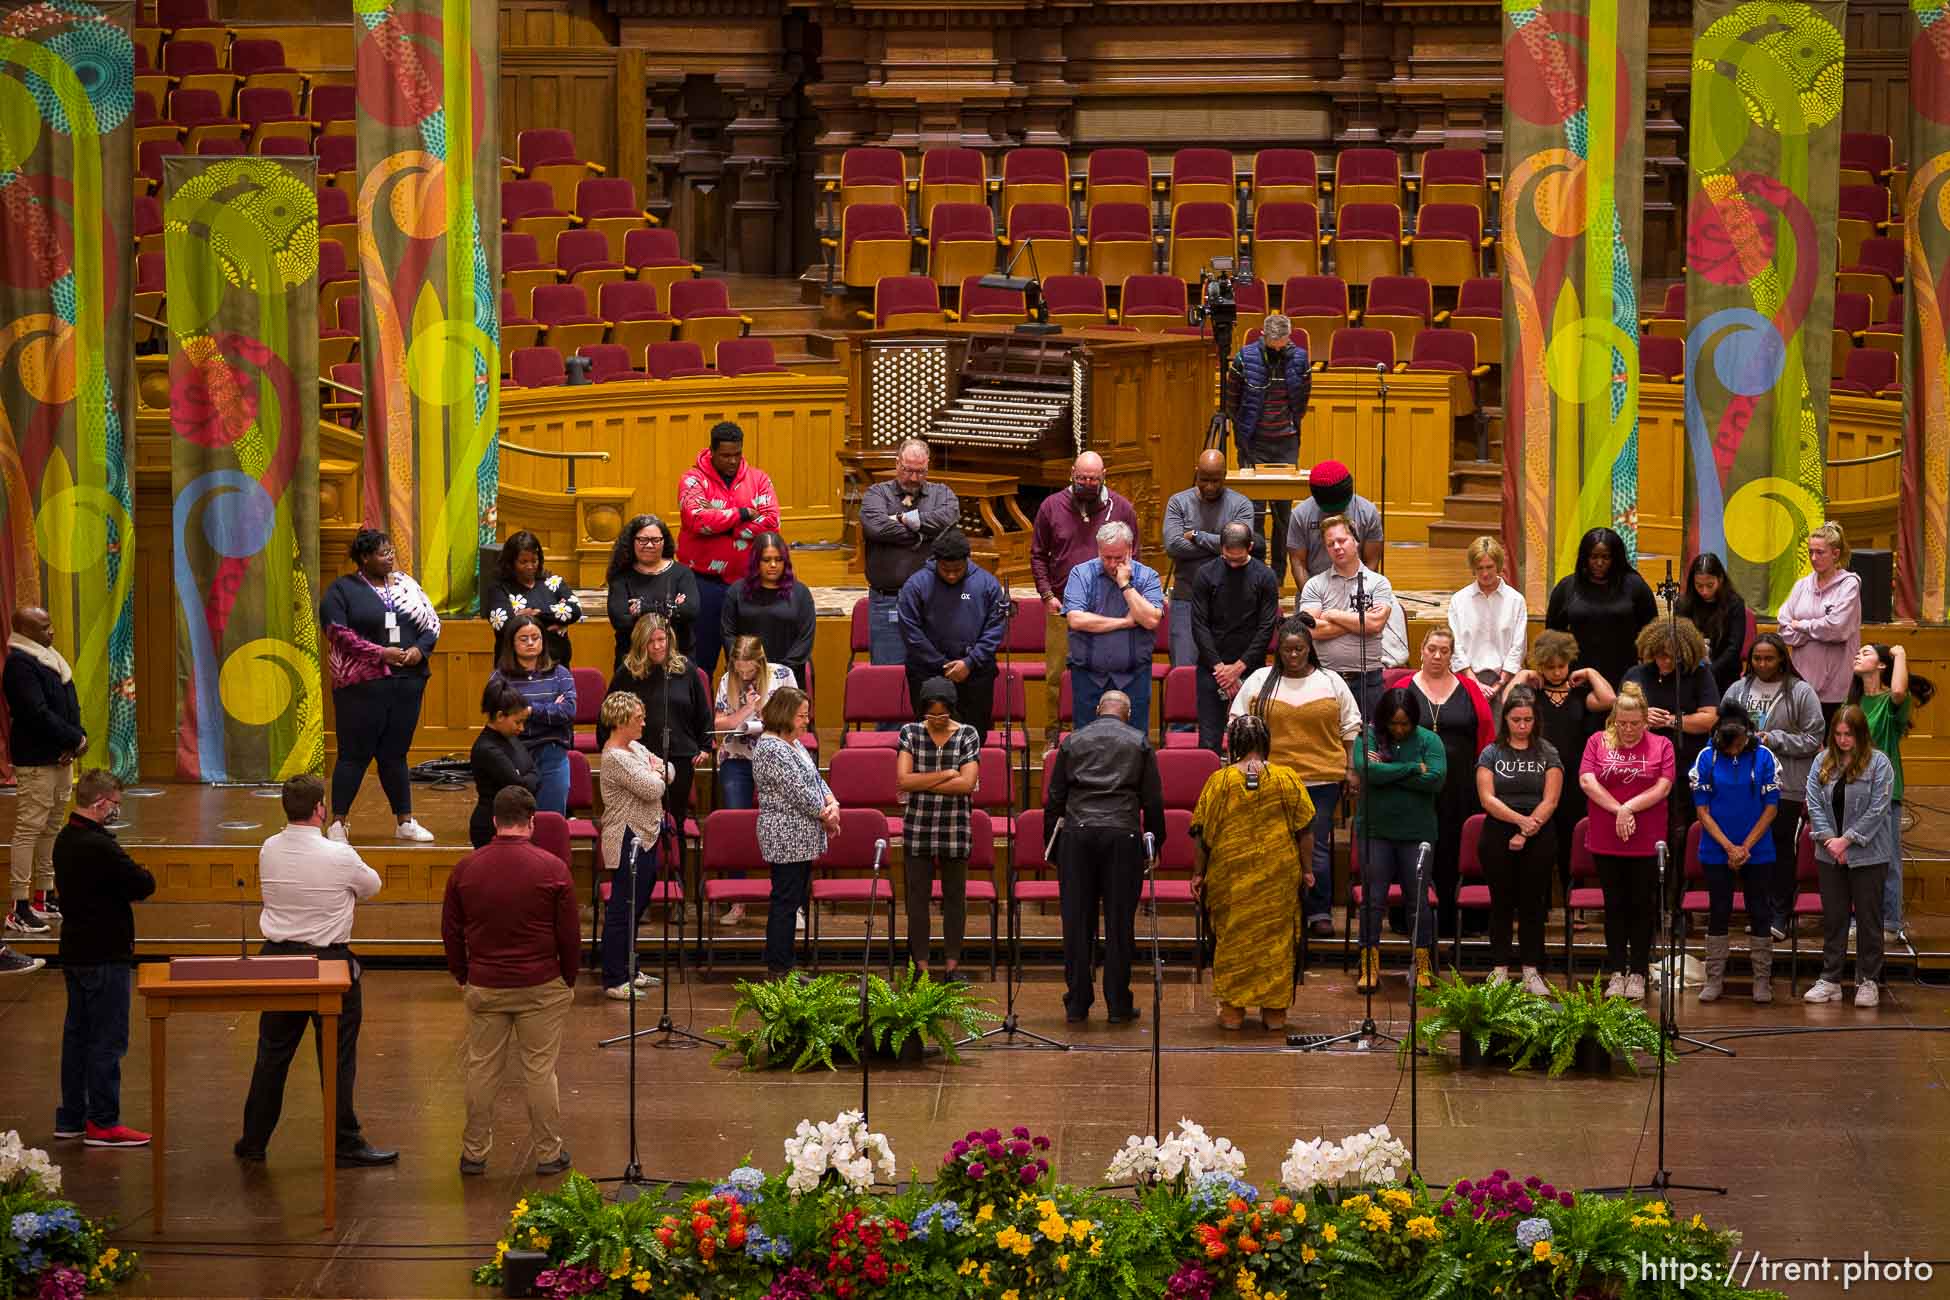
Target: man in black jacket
{"points": [[44, 740], [98, 880], [1102, 789], [953, 615], [1235, 602]]}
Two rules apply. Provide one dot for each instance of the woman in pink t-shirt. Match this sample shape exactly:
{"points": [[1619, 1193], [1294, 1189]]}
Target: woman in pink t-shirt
{"points": [[1626, 774]]}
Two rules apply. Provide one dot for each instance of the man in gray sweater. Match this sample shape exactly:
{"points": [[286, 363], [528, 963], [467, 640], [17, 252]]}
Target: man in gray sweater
{"points": [[1194, 519]]}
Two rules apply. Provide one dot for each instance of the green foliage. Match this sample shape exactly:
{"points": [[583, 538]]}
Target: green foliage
{"points": [[1498, 1018], [56, 1239], [1619, 1025], [1506, 1021], [801, 1022], [939, 1011]]}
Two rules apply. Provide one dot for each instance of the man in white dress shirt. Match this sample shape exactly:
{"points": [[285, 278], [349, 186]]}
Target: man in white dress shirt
{"points": [[310, 885], [1488, 619]]}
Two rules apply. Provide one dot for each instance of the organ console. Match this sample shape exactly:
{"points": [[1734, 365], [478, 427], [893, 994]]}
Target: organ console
{"points": [[1016, 393]]}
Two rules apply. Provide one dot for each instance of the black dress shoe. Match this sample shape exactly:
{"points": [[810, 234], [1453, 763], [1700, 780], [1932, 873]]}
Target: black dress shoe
{"points": [[242, 1152], [366, 1157], [1122, 1017], [1075, 1017], [545, 1168], [472, 1168]]}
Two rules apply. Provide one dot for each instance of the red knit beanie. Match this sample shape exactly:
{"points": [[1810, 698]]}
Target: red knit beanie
{"points": [[1332, 486]]}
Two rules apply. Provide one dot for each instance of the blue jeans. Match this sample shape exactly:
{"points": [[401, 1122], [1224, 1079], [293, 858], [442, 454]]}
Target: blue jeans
{"points": [[1391, 862], [1892, 889], [637, 871], [1319, 897], [885, 644], [552, 762], [710, 614], [735, 783], [1087, 688], [94, 1039], [791, 882]]}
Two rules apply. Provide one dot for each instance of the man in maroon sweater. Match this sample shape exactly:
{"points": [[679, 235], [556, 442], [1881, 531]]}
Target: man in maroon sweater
{"points": [[509, 925]]}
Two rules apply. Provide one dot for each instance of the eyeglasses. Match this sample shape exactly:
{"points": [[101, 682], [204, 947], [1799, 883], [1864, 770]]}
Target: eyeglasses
{"points": [[650, 539]]}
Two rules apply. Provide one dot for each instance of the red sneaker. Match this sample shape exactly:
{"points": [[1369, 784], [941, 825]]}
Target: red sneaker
{"points": [[119, 1136]]}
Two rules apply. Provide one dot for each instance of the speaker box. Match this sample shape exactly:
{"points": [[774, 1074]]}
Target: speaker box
{"points": [[1877, 569]]}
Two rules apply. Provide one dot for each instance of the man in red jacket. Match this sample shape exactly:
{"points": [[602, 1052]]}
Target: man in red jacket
{"points": [[509, 926], [723, 503]]}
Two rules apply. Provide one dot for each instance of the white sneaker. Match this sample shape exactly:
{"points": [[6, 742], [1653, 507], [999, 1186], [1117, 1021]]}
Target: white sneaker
{"points": [[802, 920], [1866, 994], [645, 980], [1498, 974], [1533, 982], [1635, 987], [1615, 986], [412, 830], [733, 915], [1823, 991], [622, 993], [336, 831]]}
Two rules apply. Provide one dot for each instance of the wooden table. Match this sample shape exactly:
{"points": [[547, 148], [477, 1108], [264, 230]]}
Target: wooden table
{"points": [[322, 996], [1261, 484]]}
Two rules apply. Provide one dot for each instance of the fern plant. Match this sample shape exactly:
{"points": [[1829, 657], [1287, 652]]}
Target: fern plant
{"points": [[1501, 1014], [919, 1006], [1618, 1025], [793, 1021]]}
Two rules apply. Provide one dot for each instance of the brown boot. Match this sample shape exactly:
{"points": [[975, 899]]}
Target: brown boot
{"points": [[1370, 977], [1422, 979]]}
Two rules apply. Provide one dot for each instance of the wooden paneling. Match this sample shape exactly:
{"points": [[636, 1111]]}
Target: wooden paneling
{"points": [[573, 89], [555, 22], [1662, 467], [1344, 423]]}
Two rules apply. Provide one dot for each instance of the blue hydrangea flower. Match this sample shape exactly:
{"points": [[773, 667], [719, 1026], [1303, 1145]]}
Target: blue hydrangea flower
{"points": [[1217, 1186], [1532, 1231], [26, 1227], [62, 1218], [33, 1262], [945, 1213], [762, 1246], [747, 1177]]}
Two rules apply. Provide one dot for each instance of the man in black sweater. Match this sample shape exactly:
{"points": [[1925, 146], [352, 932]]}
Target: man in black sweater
{"points": [[98, 880], [1235, 602], [44, 740]]}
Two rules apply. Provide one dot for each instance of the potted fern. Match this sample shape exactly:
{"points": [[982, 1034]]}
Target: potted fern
{"points": [[1589, 1030], [795, 1022], [904, 1017], [1492, 1021]]}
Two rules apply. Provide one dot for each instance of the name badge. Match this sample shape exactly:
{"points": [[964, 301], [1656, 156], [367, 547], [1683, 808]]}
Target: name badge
{"points": [[392, 621], [392, 636]]}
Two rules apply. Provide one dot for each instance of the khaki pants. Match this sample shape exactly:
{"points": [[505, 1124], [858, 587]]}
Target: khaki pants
{"points": [[526, 1023], [1056, 659], [39, 811]]}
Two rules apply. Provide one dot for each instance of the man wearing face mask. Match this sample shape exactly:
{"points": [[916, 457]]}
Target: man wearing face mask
{"points": [[1065, 536]]}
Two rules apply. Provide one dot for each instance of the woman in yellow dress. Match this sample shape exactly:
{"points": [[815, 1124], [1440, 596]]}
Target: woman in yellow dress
{"points": [[1254, 827]]}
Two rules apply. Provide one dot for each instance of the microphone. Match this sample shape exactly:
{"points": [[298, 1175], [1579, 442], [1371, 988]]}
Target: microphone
{"points": [[879, 848], [1150, 847], [1381, 367], [243, 921]]}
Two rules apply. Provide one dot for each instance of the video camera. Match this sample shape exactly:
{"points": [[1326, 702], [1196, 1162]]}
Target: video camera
{"points": [[1216, 301]]}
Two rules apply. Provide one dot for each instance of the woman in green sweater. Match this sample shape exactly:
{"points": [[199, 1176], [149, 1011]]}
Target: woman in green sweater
{"points": [[1401, 767]]}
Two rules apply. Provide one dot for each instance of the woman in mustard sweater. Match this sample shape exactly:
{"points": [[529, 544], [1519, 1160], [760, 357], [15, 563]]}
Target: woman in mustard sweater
{"points": [[1401, 766]]}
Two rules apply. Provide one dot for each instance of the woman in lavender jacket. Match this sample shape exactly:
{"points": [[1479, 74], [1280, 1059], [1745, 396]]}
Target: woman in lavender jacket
{"points": [[1822, 619]]}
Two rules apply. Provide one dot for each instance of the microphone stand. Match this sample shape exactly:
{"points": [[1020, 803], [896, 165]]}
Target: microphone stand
{"points": [[631, 1185], [1157, 993], [1010, 1028], [1381, 496], [866, 961], [1422, 854]]}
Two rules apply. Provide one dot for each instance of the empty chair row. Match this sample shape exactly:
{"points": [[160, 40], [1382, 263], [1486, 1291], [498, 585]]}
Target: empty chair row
{"points": [[700, 312], [533, 367], [587, 257]]}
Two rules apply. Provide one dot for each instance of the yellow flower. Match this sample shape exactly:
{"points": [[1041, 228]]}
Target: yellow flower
{"points": [[1697, 1222], [1011, 1294], [1012, 1239], [1063, 1262], [1377, 1220], [1330, 1234], [984, 1275], [1396, 1199], [1046, 1208], [1358, 1204], [986, 1213], [1540, 1250], [1079, 1229], [537, 1239], [1422, 1228], [622, 1264], [500, 1250], [1096, 1248], [1658, 1208], [967, 1267], [1308, 1254], [110, 1255], [640, 1281], [521, 1208]]}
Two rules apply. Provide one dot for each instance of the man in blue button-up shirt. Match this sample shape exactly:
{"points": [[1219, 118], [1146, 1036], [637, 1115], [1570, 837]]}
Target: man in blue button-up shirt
{"points": [[1112, 608]]}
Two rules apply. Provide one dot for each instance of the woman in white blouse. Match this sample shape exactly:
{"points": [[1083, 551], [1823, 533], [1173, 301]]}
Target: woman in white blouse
{"points": [[1488, 618], [633, 819], [796, 814]]}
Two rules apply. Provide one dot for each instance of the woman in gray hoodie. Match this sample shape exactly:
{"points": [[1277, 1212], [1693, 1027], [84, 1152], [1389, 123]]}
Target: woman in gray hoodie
{"points": [[1787, 720], [1849, 789]]}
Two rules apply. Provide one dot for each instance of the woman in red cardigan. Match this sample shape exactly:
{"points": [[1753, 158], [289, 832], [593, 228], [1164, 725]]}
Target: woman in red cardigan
{"points": [[1455, 709]]}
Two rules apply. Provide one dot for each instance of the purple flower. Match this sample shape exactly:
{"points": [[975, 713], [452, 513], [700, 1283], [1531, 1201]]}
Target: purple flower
{"points": [[62, 1284], [1019, 1131], [958, 1150], [1533, 1182], [1190, 1282], [1040, 1143], [991, 1135], [1525, 1204], [1566, 1200], [1500, 1174], [1027, 1173], [995, 1150], [1449, 1208], [1019, 1149], [1548, 1192], [978, 1171], [1042, 1166], [973, 1136], [1464, 1187]]}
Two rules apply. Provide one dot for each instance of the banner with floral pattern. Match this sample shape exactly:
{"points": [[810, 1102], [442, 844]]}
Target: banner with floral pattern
{"points": [[67, 372], [429, 251], [1923, 517], [1760, 303], [240, 239]]}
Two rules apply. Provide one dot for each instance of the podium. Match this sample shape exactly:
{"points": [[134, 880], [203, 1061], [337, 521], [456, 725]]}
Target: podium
{"points": [[164, 996]]}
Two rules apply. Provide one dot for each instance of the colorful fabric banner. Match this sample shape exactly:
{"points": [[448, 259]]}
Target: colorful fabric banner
{"points": [[240, 238], [1923, 517], [1574, 164], [67, 372], [1760, 303], [429, 259]]}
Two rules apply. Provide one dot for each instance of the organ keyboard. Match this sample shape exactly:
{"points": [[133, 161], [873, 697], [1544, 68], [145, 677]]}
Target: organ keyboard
{"points": [[1014, 392]]}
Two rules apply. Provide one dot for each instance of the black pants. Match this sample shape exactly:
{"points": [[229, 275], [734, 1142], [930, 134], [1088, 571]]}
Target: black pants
{"points": [[278, 1035], [376, 721], [94, 1039], [919, 870], [1631, 888], [1857, 891], [1212, 709], [1781, 884], [677, 788], [1520, 887], [1100, 865], [974, 698], [791, 884]]}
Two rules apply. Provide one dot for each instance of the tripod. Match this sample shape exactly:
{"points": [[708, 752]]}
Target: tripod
{"points": [[632, 1185], [1157, 993], [1010, 1029]]}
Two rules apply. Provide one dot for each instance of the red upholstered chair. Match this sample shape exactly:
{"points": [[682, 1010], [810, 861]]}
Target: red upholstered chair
{"points": [[196, 65], [1401, 304], [731, 869], [1472, 889], [272, 112], [529, 207], [1670, 319], [338, 161], [1035, 875], [1852, 319], [653, 256], [1355, 893], [1367, 241], [1250, 295], [951, 176], [1886, 333], [548, 156], [1075, 302], [282, 146], [582, 798], [518, 328], [334, 110], [866, 776], [220, 147], [873, 694], [1318, 305], [1177, 860], [1117, 176], [336, 279], [551, 835], [1119, 242], [1450, 352], [1807, 900], [1201, 232], [1662, 357], [1152, 303], [262, 63], [1877, 271], [681, 359], [147, 293], [610, 205], [852, 852], [147, 224], [590, 689], [1479, 312], [149, 77], [609, 363], [1867, 158], [1286, 241], [538, 368], [1871, 372], [859, 633], [1449, 244], [1362, 349], [875, 176], [1008, 704], [705, 315], [981, 873], [1024, 641], [961, 242], [738, 358], [151, 125], [336, 219], [1181, 707], [339, 337], [564, 309], [905, 302], [979, 306], [204, 115], [1040, 176], [1585, 895], [1861, 212], [1285, 176], [1368, 176], [1455, 176], [1203, 176], [149, 164], [1183, 772], [523, 267], [177, 14], [584, 258], [1046, 228]]}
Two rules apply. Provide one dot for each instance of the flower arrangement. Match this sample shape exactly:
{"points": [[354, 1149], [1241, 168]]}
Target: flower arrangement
{"points": [[1199, 1233], [1317, 1167], [1180, 1159], [48, 1249], [990, 1165], [843, 1152]]}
